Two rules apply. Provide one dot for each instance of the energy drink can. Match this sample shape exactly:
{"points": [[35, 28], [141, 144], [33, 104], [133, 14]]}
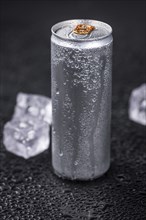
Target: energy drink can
{"points": [[81, 73]]}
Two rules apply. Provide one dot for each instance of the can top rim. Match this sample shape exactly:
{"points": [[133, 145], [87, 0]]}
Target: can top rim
{"points": [[77, 21]]}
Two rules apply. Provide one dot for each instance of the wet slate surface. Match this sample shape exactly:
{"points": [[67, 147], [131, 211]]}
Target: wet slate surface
{"points": [[28, 188]]}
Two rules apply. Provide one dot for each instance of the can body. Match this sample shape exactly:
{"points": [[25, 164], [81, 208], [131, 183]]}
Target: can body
{"points": [[81, 100]]}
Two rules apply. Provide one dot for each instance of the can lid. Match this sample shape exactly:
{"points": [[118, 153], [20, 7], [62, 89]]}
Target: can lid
{"points": [[81, 30]]}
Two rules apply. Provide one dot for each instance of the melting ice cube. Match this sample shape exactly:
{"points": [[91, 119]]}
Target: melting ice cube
{"points": [[27, 134], [37, 106], [137, 105], [26, 137]]}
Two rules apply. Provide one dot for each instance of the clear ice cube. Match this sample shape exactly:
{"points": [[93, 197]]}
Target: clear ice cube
{"points": [[36, 106], [137, 105], [26, 137]]}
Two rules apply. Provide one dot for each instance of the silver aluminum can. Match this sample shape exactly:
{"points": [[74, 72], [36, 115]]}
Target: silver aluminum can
{"points": [[81, 74]]}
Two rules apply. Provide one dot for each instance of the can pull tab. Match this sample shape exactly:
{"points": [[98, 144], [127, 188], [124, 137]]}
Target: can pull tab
{"points": [[83, 29]]}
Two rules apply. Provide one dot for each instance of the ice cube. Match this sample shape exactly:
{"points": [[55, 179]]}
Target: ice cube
{"points": [[26, 137], [137, 105], [36, 106]]}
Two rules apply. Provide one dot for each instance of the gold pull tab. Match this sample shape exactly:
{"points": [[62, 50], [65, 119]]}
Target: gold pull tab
{"points": [[83, 29]]}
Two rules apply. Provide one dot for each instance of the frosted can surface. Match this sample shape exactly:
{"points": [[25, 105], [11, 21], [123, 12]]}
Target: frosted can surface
{"points": [[81, 69]]}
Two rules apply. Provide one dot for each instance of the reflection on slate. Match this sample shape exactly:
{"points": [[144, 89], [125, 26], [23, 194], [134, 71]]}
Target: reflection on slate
{"points": [[29, 189]]}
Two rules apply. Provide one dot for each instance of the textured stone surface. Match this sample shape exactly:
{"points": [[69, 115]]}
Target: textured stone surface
{"points": [[28, 189]]}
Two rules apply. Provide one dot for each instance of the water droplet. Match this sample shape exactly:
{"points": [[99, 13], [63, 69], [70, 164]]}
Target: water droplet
{"points": [[22, 125], [94, 80], [94, 99], [76, 163], [120, 177], [89, 87], [57, 91], [79, 59], [70, 61], [61, 154]]}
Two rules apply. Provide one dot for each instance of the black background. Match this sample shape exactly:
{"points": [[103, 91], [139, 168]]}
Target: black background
{"points": [[28, 188]]}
